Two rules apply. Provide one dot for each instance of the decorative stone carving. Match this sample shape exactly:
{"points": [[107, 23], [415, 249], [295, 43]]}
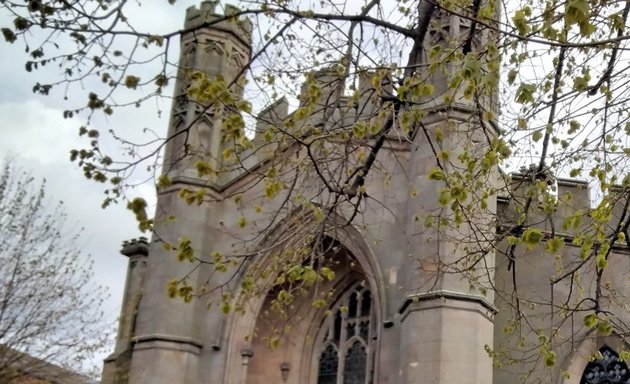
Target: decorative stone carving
{"points": [[439, 29], [189, 55], [213, 47]]}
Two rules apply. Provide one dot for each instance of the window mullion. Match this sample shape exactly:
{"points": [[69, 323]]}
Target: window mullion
{"points": [[343, 348]]}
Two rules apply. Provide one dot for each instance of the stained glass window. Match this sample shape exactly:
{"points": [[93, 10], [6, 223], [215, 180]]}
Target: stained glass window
{"points": [[346, 353], [606, 369], [328, 365], [355, 364]]}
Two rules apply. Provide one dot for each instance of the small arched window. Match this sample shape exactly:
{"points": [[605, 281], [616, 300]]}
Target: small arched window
{"points": [[346, 353], [606, 369]]}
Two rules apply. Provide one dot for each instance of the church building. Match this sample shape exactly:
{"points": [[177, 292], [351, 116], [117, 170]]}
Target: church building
{"points": [[388, 298]]}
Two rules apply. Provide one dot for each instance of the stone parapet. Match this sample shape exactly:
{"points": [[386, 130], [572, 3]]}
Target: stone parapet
{"points": [[135, 247], [206, 15]]}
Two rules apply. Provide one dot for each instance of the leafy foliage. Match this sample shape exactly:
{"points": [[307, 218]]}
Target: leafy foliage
{"points": [[46, 293]]}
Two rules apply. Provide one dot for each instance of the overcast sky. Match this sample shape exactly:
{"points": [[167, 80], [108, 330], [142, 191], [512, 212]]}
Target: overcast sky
{"points": [[34, 132]]}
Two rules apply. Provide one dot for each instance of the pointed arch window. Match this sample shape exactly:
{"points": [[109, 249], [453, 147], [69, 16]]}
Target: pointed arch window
{"points": [[608, 369], [346, 353]]}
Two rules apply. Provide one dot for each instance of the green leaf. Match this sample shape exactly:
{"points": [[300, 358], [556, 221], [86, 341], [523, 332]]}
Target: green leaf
{"points": [[185, 250], [604, 328], [132, 82], [309, 276], [550, 358], [590, 320], [444, 197], [9, 36], [327, 273], [512, 76], [204, 168], [521, 21], [555, 245], [247, 284], [574, 125], [525, 93], [172, 288], [580, 83], [21, 23], [139, 207], [579, 12], [470, 67], [436, 174], [532, 237]]}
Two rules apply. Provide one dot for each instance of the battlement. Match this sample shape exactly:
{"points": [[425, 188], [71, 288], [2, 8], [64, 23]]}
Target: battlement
{"points": [[330, 82], [133, 247], [572, 198], [363, 98], [240, 27], [339, 100], [335, 105]]}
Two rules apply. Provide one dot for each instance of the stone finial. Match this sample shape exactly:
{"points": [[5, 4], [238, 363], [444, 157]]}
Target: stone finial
{"points": [[134, 247], [272, 115], [369, 96], [231, 10], [207, 15], [208, 7], [365, 82], [327, 80]]}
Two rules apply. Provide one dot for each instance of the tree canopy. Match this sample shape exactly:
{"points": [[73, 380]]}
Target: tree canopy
{"points": [[47, 293]]}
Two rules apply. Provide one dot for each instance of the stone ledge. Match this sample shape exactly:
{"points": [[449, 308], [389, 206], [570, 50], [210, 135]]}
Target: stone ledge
{"points": [[135, 247], [175, 343], [419, 302]]}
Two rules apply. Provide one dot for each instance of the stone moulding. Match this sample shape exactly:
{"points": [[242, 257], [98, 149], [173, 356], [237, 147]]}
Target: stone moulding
{"points": [[191, 345], [408, 306]]}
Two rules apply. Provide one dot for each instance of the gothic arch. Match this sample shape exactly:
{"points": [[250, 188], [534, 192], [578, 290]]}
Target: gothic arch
{"points": [[301, 367], [580, 363]]}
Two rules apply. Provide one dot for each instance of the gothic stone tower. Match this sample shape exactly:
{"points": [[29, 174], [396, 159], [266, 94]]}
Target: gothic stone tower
{"points": [[390, 318]]}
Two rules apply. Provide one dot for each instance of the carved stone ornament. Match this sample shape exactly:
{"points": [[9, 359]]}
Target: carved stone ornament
{"points": [[190, 52]]}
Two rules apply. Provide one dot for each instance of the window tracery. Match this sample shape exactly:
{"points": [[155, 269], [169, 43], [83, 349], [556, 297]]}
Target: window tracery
{"points": [[346, 353], [608, 369]]}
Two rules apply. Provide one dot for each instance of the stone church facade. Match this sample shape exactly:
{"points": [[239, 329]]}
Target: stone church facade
{"points": [[392, 316]]}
